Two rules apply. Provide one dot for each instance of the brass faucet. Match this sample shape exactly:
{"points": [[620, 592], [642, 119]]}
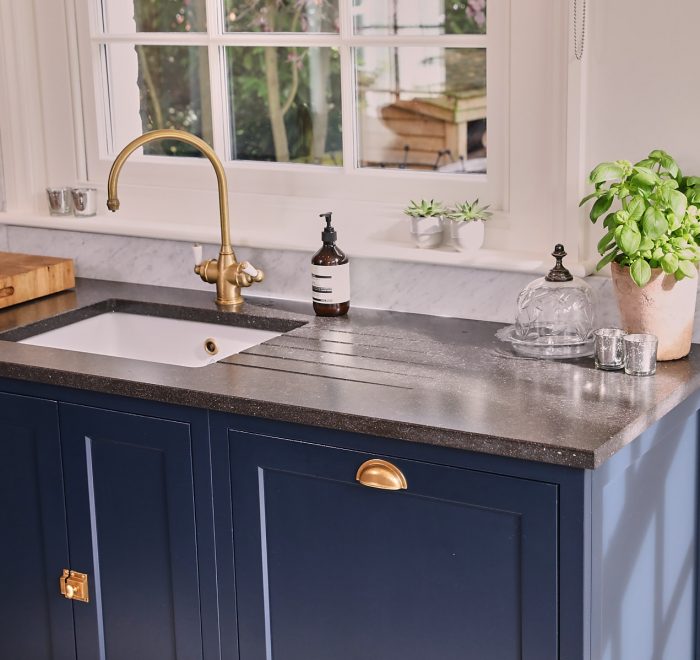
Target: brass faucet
{"points": [[228, 274]]}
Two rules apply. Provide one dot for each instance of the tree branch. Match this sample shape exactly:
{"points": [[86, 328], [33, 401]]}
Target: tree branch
{"points": [[295, 70], [150, 86]]}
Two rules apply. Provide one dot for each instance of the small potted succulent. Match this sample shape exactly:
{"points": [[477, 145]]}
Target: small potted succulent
{"points": [[426, 222], [463, 226], [651, 244]]}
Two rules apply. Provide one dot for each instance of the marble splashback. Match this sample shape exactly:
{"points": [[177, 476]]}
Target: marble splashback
{"points": [[456, 292]]}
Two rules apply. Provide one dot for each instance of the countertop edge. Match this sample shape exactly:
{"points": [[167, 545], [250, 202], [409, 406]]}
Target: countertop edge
{"points": [[688, 396], [405, 431]]}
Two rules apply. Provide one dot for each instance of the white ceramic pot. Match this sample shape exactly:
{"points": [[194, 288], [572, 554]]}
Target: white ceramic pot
{"points": [[427, 232], [664, 307], [463, 236]]}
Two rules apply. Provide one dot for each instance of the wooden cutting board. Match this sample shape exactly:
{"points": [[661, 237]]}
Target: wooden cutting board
{"points": [[25, 277]]}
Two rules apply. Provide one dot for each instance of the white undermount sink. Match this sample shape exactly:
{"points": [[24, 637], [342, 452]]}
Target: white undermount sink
{"points": [[152, 338]]}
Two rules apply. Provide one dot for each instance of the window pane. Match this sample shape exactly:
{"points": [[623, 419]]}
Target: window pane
{"points": [[281, 15], [422, 108], [126, 16], [285, 104], [160, 87], [423, 17]]}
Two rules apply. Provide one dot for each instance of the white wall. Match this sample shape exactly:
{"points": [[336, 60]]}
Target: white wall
{"points": [[643, 62], [643, 83]]}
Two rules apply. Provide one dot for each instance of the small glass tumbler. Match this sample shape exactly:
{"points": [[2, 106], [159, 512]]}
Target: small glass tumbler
{"points": [[84, 201], [59, 201], [640, 354], [609, 348]]}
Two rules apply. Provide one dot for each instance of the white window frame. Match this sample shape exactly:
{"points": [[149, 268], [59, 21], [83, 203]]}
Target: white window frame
{"points": [[534, 159]]}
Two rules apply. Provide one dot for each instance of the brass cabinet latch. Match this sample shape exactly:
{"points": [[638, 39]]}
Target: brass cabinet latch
{"points": [[74, 586]]}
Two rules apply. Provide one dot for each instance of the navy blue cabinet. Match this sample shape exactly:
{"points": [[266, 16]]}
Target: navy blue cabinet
{"points": [[460, 564], [123, 496], [211, 536], [35, 622], [131, 519]]}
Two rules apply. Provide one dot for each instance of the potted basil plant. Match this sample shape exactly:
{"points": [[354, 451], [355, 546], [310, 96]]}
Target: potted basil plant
{"points": [[426, 222], [463, 226], [650, 215]]}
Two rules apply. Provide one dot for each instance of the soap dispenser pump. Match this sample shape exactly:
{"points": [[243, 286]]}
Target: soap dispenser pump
{"points": [[330, 275]]}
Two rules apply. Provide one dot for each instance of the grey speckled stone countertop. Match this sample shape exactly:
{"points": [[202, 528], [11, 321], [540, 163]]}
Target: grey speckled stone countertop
{"points": [[417, 378]]}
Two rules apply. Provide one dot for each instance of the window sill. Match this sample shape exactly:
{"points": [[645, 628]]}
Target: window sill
{"points": [[391, 247]]}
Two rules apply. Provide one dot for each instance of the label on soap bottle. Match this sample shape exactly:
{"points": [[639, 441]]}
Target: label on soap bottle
{"points": [[330, 284]]}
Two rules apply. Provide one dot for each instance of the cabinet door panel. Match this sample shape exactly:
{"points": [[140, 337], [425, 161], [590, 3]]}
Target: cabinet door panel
{"points": [[130, 497], [36, 622], [461, 565]]}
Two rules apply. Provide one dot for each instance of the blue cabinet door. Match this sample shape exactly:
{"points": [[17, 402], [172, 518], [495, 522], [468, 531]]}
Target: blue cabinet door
{"points": [[36, 622], [131, 519], [462, 564]]}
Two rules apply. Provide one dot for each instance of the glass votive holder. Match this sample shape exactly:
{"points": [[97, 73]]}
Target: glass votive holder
{"points": [[640, 354], [84, 201], [609, 349], [59, 201]]}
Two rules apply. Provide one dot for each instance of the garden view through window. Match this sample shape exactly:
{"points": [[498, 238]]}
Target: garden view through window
{"points": [[395, 84]]}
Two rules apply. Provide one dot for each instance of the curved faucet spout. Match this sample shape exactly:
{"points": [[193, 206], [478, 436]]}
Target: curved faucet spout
{"points": [[182, 136], [228, 274]]}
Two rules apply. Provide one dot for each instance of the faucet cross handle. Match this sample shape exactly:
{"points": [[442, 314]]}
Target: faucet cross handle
{"points": [[249, 269], [247, 274]]}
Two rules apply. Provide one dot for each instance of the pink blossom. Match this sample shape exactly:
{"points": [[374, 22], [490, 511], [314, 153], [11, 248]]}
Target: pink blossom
{"points": [[476, 10], [295, 58]]}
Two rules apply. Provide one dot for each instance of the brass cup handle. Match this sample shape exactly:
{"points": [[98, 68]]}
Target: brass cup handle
{"points": [[377, 473]]}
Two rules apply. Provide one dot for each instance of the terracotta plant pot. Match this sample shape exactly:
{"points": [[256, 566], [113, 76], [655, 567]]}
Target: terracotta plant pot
{"points": [[664, 307]]}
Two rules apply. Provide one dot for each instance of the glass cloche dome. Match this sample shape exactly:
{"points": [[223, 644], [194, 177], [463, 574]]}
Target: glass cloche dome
{"points": [[555, 316]]}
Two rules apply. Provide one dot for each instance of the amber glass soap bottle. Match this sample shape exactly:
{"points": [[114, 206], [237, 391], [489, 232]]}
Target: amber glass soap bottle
{"points": [[330, 275]]}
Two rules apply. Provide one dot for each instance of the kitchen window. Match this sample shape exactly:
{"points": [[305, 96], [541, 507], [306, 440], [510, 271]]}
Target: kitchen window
{"points": [[282, 68], [354, 101], [387, 84], [354, 106], [338, 84]]}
